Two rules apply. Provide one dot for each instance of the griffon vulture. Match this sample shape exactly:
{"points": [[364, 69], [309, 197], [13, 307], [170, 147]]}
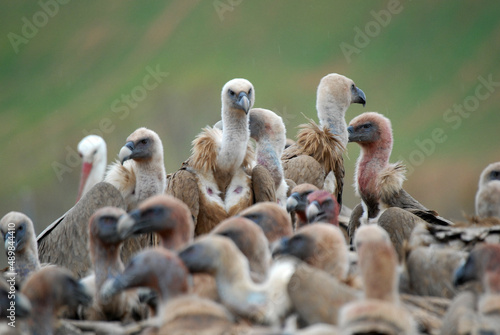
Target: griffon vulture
{"points": [[316, 158]]}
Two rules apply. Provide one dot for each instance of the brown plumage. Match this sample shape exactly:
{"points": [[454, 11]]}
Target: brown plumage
{"points": [[140, 171], [50, 290], [380, 310], [269, 133], [469, 313], [180, 312], [214, 182], [377, 182], [263, 303], [297, 203], [488, 193], [321, 245], [251, 241], [22, 306], [319, 148], [18, 234], [65, 241], [272, 218], [104, 245], [316, 296]]}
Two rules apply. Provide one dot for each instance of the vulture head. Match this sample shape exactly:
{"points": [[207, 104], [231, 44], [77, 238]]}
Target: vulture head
{"points": [[483, 264], [92, 150], [267, 125], [18, 233], [340, 89], [142, 145], [370, 128], [103, 226], [250, 239], [272, 218], [50, 290], [158, 269], [321, 245], [488, 193], [297, 201], [238, 95], [211, 253], [322, 207], [163, 214]]}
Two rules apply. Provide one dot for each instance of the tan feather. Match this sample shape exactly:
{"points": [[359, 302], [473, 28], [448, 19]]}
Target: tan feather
{"points": [[121, 176], [390, 180], [206, 146], [318, 143]]}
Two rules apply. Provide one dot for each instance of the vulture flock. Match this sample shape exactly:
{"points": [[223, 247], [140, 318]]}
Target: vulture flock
{"points": [[251, 236]]}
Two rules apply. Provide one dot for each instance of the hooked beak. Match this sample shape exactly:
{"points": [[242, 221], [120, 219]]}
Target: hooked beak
{"points": [[359, 97], [126, 152], [127, 224], [313, 210], [243, 102]]}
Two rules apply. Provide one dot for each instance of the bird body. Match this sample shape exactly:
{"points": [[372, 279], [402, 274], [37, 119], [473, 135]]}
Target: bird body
{"points": [[316, 156], [378, 182], [215, 182]]}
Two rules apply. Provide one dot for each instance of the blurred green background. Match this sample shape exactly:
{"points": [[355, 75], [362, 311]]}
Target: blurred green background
{"points": [[66, 67]]}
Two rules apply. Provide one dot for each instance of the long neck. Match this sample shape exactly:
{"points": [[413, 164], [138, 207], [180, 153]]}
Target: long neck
{"points": [[26, 263], [372, 159], [235, 135], [235, 285], [271, 160], [107, 263], [151, 177], [331, 115], [42, 320]]}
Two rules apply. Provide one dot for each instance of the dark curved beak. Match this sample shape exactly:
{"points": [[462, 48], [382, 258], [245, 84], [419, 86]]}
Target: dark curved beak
{"points": [[352, 136], [359, 97], [126, 152], [243, 102]]}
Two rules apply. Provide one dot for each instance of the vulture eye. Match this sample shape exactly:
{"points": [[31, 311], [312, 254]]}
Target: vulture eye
{"points": [[231, 92], [21, 228], [366, 126], [250, 92], [495, 175], [353, 86], [144, 141]]}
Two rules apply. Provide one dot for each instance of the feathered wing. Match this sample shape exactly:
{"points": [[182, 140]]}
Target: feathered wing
{"points": [[325, 148], [392, 194], [263, 184]]}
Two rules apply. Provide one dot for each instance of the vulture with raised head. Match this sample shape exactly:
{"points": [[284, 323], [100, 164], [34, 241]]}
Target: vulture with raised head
{"points": [[92, 150], [488, 192], [316, 157], [215, 182], [296, 203], [380, 183], [140, 171]]}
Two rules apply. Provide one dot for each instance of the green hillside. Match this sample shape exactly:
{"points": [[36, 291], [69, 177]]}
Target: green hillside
{"points": [[414, 60]]}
